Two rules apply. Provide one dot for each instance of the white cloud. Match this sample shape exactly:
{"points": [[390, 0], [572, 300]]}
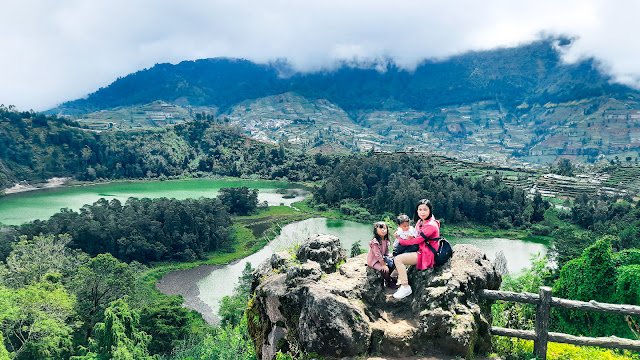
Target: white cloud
{"points": [[54, 51]]}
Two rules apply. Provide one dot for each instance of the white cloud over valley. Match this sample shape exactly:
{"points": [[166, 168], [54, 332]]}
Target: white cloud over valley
{"points": [[55, 51]]}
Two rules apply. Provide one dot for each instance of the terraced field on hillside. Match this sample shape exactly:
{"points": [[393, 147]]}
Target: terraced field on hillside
{"points": [[623, 180]]}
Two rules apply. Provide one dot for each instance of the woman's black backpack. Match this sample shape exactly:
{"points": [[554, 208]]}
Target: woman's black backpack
{"points": [[444, 252]]}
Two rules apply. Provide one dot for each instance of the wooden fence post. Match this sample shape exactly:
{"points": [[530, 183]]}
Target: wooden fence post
{"points": [[543, 311]]}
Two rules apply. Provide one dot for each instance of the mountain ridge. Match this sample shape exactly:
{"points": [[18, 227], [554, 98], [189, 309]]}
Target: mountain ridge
{"points": [[520, 105], [511, 74]]}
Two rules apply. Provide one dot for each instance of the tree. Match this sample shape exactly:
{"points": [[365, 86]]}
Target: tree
{"points": [[8, 236], [168, 322], [500, 263], [355, 249], [568, 244], [240, 200], [539, 207], [226, 343], [232, 308], [565, 167], [4, 354], [36, 320], [31, 259], [100, 281], [244, 282], [592, 276], [118, 337]]}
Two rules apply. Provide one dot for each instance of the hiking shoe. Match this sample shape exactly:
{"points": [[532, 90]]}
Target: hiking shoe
{"points": [[403, 292]]}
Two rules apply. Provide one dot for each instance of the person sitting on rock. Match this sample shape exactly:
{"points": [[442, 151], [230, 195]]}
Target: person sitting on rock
{"points": [[428, 229], [378, 255]]}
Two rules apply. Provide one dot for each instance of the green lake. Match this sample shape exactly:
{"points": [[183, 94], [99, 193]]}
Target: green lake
{"points": [[19, 208]]}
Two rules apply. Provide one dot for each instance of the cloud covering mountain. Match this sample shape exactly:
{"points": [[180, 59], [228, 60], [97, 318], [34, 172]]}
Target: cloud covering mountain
{"points": [[58, 51]]}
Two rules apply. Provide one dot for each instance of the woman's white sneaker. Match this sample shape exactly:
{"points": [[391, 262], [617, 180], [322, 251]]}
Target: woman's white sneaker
{"points": [[403, 292]]}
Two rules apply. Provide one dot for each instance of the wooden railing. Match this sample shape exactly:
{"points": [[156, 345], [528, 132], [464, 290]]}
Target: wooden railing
{"points": [[544, 302]]}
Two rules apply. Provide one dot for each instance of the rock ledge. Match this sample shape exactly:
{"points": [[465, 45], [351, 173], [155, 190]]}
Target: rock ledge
{"points": [[320, 302]]}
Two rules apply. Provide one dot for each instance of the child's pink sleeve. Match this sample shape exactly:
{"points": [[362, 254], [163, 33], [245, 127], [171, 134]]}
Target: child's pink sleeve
{"points": [[375, 248]]}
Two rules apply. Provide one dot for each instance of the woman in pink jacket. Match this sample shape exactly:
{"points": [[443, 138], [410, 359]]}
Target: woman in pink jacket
{"points": [[378, 250], [428, 226]]}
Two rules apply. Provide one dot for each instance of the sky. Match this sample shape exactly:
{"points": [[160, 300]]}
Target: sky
{"points": [[56, 51]]}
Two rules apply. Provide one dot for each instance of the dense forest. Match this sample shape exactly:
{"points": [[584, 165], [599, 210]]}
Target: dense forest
{"points": [[35, 147], [532, 73], [392, 183], [60, 303]]}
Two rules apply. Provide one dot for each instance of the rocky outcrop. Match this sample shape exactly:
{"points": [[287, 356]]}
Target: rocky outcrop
{"points": [[315, 302]]}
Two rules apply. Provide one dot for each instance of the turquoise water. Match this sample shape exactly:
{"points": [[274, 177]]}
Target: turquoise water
{"points": [[16, 209]]}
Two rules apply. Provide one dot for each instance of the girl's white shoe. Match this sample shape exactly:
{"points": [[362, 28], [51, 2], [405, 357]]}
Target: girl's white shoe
{"points": [[403, 292]]}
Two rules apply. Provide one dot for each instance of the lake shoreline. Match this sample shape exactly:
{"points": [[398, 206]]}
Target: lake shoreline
{"points": [[62, 182], [51, 183], [41, 203]]}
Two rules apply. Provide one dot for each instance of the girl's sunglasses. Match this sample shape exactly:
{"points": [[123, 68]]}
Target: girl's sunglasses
{"points": [[381, 226]]}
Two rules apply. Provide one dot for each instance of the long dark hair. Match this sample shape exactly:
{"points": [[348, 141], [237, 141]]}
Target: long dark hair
{"points": [[375, 232], [423, 202]]}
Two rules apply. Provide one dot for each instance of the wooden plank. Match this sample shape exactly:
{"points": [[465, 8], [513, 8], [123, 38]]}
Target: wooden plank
{"points": [[525, 297], [522, 334], [531, 298], [620, 309], [543, 311], [608, 342]]}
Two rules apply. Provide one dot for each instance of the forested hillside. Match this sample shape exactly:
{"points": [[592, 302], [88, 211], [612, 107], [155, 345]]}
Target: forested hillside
{"points": [[391, 184], [533, 73], [521, 105], [35, 147]]}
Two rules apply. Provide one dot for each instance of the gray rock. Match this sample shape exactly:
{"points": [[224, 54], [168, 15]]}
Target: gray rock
{"points": [[304, 305], [323, 249]]}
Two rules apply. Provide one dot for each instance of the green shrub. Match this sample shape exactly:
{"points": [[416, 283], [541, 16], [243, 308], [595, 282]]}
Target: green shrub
{"points": [[627, 257], [512, 348], [539, 230], [514, 315], [592, 276], [227, 342], [557, 351]]}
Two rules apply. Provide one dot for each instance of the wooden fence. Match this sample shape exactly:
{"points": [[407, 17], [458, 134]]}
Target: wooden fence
{"points": [[544, 302]]}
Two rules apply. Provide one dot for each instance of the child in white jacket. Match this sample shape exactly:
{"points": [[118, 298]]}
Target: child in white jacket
{"points": [[405, 231]]}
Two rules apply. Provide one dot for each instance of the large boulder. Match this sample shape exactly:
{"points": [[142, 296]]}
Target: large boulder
{"points": [[316, 303]]}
